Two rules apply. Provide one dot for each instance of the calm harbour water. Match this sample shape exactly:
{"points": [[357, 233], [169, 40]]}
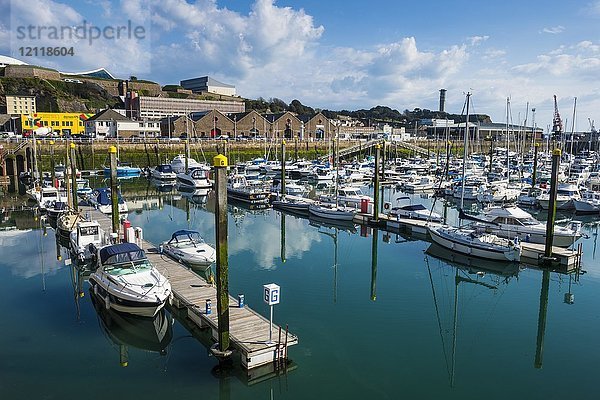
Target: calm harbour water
{"points": [[405, 328]]}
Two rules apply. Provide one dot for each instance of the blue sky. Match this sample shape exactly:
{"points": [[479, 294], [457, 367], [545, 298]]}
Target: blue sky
{"points": [[347, 55]]}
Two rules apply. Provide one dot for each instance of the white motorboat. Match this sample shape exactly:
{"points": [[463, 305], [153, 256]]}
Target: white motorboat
{"points": [[45, 196], [332, 211], [322, 174], [415, 211], [350, 196], [251, 192], [294, 204], [195, 177], [589, 203], [422, 184], [178, 164], [513, 222], [470, 242], [163, 172], [127, 281], [86, 238], [83, 187], [528, 196], [189, 247], [498, 194], [101, 200], [565, 195]]}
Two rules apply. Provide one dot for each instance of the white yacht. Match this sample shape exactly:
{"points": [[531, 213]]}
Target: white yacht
{"points": [[565, 194], [189, 247], [178, 164], [251, 192], [414, 211], [421, 184], [332, 211], [164, 172], [589, 203], [195, 177], [513, 222], [350, 196], [127, 281], [470, 242]]}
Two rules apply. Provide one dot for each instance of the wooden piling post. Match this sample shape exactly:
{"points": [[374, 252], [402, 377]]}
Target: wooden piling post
{"points": [[73, 178], [220, 166], [552, 204], [114, 191], [376, 185], [52, 172]]}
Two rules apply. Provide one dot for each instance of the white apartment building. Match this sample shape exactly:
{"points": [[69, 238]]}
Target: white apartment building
{"points": [[20, 105]]}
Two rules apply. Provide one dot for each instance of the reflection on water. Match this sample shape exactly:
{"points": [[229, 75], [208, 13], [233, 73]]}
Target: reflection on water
{"points": [[149, 334], [377, 313]]}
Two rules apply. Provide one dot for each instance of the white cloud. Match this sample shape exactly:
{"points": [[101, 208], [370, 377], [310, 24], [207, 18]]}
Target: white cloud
{"points": [[593, 8], [554, 30], [122, 56], [492, 54], [476, 40]]}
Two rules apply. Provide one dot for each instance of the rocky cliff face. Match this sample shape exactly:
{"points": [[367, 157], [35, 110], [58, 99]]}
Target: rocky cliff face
{"points": [[59, 96]]}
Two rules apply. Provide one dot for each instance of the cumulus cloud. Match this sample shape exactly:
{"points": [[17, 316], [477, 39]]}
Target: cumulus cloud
{"points": [[121, 55], [582, 59], [554, 30]]}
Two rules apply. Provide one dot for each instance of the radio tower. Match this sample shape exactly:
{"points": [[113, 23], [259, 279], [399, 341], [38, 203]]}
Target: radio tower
{"points": [[557, 126]]}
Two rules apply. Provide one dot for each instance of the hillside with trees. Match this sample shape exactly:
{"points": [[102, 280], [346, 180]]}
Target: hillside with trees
{"points": [[371, 116]]}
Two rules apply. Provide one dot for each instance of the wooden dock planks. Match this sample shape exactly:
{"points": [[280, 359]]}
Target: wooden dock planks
{"points": [[249, 331]]}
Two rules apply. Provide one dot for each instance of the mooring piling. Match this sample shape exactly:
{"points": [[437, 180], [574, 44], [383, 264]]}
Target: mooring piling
{"points": [[552, 206], [114, 193], [220, 166], [73, 178]]}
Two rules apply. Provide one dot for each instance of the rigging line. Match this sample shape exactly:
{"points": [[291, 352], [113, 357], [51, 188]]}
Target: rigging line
{"points": [[437, 313]]}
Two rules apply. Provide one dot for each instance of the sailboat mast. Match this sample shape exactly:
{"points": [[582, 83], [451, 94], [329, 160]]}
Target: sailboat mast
{"points": [[337, 162], [507, 139], [572, 134], [465, 144]]}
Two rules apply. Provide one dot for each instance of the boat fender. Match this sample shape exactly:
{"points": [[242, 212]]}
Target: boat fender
{"points": [[107, 301]]}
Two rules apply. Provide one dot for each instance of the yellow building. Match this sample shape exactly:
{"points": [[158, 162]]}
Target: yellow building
{"points": [[60, 123]]}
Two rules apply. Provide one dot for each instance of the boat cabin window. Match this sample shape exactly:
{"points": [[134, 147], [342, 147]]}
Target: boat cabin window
{"points": [[48, 194], [88, 230]]}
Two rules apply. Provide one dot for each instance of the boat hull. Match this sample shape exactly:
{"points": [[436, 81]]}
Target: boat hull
{"points": [[334, 213], [584, 207], [125, 305], [469, 247]]}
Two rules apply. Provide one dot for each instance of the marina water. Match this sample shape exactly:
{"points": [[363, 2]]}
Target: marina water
{"points": [[403, 323]]}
